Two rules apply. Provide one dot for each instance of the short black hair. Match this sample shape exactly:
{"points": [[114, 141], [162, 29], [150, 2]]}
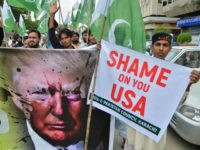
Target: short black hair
{"points": [[25, 37], [36, 31], [87, 31], [15, 36], [66, 32], [76, 33]]}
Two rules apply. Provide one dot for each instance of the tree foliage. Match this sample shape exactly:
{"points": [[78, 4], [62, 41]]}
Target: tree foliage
{"points": [[147, 36], [31, 24], [163, 28], [184, 38]]}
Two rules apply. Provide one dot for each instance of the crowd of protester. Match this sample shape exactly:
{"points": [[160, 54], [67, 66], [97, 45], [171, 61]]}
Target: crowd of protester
{"points": [[34, 39], [69, 39], [77, 41]]}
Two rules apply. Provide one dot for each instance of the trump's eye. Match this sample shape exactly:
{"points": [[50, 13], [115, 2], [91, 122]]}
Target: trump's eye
{"points": [[72, 96], [41, 91], [41, 95], [75, 92]]}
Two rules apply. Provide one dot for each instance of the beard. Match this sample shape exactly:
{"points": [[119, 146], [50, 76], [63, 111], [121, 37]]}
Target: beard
{"points": [[34, 46], [75, 42]]}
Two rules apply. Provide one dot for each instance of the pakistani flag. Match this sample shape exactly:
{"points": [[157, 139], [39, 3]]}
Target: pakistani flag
{"points": [[67, 19], [22, 27], [45, 5], [101, 8], [8, 18], [76, 9], [43, 24], [30, 5], [86, 11], [124, 25]]}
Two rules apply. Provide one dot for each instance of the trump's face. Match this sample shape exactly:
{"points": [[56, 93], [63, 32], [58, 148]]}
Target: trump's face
{"points": [[53, 104]]}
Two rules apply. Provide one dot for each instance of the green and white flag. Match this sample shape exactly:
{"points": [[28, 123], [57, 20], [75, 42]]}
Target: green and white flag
{"points": [[76, 9], [45, 4], [22, 27], [43, 24], [86, 11], [8, 18], [67, 19], [30, 5], [124, 25], [101, 8]]}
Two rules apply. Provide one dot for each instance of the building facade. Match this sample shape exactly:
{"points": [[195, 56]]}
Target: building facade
{"points": [[189, 13], [153, 16], [180, 15]]}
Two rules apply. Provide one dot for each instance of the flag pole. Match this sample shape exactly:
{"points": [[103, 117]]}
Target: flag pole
{"points": [[93, 89], [90, 16]]}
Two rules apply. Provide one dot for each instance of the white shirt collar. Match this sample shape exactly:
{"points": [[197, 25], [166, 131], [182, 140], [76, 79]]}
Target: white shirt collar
{"points": [[41, 144]]}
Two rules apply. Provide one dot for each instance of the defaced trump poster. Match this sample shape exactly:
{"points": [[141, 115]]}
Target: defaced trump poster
{"points": [[43, 100]]}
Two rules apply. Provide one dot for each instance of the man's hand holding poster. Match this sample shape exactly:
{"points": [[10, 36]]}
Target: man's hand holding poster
{"points": [[142, 91]]}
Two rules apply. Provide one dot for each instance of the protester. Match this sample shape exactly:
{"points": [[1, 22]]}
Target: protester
{"points": [[34, 37], [161, 46], [13, 40], [1, 32], [19, 42], [25, 42], [64, 40], [92, 40], [75, 40], [10, 41], [85, 37], [4, 44], [44, 41]]}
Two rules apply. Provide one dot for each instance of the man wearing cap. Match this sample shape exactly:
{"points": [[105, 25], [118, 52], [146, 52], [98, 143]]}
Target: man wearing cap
{"points": [[161, 46]]}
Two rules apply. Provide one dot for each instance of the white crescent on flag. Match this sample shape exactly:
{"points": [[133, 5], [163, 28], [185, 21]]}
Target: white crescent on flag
{"points": [[111, 34]]}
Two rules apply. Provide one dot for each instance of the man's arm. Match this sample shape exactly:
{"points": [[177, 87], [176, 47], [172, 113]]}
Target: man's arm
{"points": [[52, 26], [1, 32]]}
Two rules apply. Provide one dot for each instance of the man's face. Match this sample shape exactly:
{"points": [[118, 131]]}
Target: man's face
{"points": [[85, 37], [92, 40], [75, 38], [33, 40], [55, 105], [14, 41], [26, 45], [66, 41], [160, 49]]}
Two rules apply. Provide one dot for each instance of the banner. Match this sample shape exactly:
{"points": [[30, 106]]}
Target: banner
{"points": [[140, 90], [43, 100]]}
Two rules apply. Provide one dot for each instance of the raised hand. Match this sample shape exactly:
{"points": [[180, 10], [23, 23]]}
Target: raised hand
{"points": [[53, 9]]}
